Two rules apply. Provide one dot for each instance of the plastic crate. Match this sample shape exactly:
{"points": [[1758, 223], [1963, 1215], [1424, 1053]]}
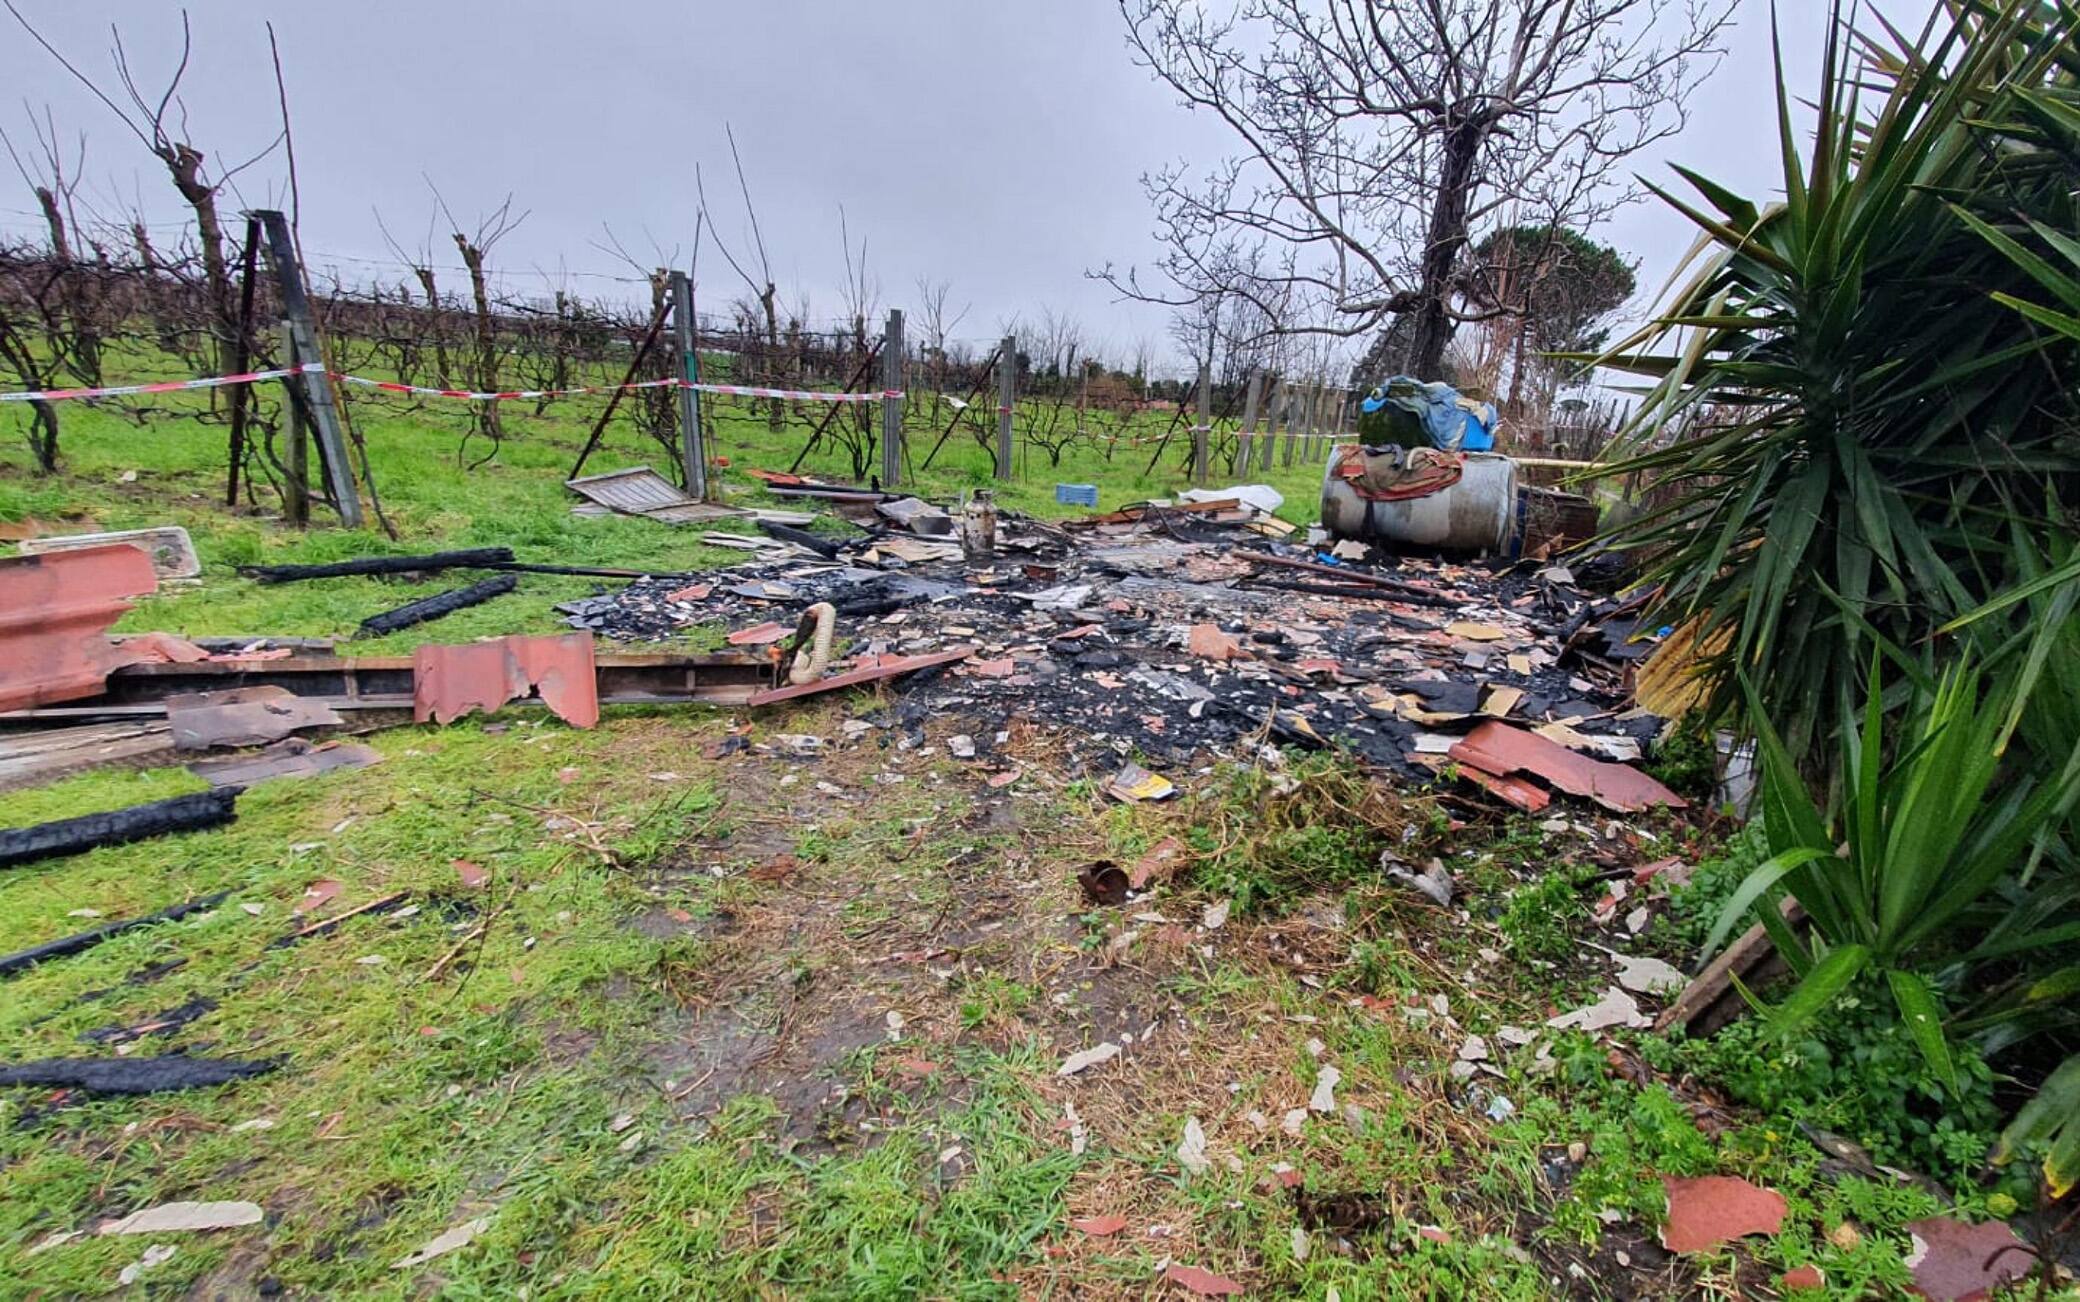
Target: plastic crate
{"points": [[1076, 494]]}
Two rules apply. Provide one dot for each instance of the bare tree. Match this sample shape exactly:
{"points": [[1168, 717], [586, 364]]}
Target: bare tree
{"points": [[474, 247], [761, 287], [161, 125], [1377, 137]]}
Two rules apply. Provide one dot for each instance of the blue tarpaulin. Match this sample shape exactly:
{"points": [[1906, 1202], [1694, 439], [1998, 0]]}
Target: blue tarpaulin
{"points": [[1406, 411]]}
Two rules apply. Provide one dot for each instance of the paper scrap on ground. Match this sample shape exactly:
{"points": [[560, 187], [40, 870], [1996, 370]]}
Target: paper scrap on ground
{"points": [[443, 1243], [167, 1218], [1087, 1058]]}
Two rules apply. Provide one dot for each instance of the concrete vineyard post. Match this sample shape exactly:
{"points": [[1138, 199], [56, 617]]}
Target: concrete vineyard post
{"points": [[892, 407], [1007, 397], [316, 385], [693, 451]]}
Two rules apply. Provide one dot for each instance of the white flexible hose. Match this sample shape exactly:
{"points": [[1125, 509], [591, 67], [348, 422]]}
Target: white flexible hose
{"points": [[809, 665]]}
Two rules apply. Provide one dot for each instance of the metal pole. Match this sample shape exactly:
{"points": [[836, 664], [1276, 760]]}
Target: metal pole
{"points": [[693, 450], [1203, 431], [892, 407], [1296, 425], [295, 467], [1267, 447], [241, 357], [317, 385], [1007, 397], [1249, 424]]}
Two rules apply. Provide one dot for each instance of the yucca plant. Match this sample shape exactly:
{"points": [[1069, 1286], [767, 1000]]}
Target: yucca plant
{"points": [[1944, 874], [1923, 868], [1880, 421]]}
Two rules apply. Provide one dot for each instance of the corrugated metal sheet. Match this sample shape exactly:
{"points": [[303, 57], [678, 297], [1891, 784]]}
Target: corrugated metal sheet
{"points": [[54, 616], [642, 491], [450, 681]]}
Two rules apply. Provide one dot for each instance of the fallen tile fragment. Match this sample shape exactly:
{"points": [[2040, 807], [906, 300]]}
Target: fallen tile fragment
{"points": [[1706, 1211], [1501, 749], [291, 757], [1207, 642], [54, 610], [1099, 1227], [1203, 1282], [316, 896], [886, 667], [168, 1218], [242, 716], [1161, 859], [758, 634], [1807, 1276], [450, 681], [1952, 1261]]}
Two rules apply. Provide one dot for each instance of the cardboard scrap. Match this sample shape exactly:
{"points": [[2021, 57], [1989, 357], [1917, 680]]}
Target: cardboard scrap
{"points": [[1133, 784]]}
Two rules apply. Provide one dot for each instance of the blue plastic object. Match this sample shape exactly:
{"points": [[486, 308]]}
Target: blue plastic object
{"points": [[1076, 494], [1404, 405]]}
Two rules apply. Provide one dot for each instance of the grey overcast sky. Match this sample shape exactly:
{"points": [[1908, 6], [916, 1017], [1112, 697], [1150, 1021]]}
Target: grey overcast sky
{"points": [[995, 146]]}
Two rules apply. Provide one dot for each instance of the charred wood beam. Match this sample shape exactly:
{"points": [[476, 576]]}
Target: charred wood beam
{"points": [[116, 827]]}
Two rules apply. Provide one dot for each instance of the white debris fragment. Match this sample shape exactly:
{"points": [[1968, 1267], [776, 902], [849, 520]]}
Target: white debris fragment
{"points": [[1324, 1098], [1616, 1008], [1191, 1154], [1649, 976], [169, 1217], [1474, 1050], [1294, 1122], [157, 1254], [440, 1245], [1087, 1058], [1216, 915]]}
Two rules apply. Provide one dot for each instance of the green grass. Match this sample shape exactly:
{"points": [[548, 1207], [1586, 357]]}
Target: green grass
{"points": [[517, 500], [405, 1104]]}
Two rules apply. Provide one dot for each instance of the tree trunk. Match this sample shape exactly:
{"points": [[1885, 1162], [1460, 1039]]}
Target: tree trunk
{"points": [[1447, 236], [185, 164], [440, 331], [79, 321], [487, 342], [155, 277], [43, 416]]}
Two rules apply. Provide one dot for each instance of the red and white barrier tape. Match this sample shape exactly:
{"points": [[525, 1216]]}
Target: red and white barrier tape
{"points": [[471, 395], [792, 395], [391, 386], [167, 386]]}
